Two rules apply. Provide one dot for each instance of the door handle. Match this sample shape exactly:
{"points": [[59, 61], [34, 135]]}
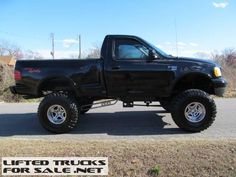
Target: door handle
{"points": [[115, 68]]}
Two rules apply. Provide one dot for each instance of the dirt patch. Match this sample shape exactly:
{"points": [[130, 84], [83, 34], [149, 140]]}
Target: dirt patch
{"points": [[136, 158], [230, 93]]}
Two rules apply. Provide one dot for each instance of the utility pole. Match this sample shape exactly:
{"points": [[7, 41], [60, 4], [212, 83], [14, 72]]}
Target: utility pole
{"points": [[52, 52], [79, 38]]}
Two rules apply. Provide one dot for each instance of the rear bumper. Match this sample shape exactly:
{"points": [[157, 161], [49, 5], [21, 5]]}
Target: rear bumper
{"points": [[13, 89], [22, 90], [219, 86]]}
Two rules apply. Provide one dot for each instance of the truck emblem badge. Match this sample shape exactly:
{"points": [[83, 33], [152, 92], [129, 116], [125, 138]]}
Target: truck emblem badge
{"points": [[172, 68]]}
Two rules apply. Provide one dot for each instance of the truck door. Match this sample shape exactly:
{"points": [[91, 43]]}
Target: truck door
{"points": [[131, 73]]}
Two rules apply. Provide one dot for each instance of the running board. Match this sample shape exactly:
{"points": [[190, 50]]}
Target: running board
{"points": [[147, 105], [111, 102], [132, 104], [100, 104]]}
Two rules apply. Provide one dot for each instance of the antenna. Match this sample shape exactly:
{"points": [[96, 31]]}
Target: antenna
{"points": [[52, 52], [79, 39], [176, 39]]}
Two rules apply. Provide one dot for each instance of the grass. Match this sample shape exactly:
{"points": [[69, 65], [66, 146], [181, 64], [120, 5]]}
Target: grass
{"points": [[139, 158], [154, 171]]}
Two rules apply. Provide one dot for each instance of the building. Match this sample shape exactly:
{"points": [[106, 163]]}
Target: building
{"points": [[9, 60]]}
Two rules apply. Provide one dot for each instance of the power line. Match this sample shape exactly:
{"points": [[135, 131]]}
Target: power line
{"points": [[52, 38], [20, 35]]}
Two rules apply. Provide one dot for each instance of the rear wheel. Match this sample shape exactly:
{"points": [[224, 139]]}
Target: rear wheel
{"points": [[58, 113], [193, 110]]}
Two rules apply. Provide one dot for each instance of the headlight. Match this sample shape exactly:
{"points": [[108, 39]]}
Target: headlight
{"points": [[217, 72]]}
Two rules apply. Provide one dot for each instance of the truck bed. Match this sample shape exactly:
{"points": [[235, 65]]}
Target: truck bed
{"points": [[34, 72]]}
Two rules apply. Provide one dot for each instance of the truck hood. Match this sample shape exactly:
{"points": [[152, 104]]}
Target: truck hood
{"points": [[196, 60]]}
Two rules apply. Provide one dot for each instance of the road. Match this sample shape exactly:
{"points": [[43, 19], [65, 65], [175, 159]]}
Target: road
{"points": [[115, 122]]}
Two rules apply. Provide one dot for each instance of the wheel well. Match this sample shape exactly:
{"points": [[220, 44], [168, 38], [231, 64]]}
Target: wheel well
{"points": [[194, 81], [55, 84]]}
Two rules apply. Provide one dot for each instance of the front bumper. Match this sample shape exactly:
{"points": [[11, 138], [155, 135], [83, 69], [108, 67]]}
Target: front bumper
{"points": [[219, 86]]}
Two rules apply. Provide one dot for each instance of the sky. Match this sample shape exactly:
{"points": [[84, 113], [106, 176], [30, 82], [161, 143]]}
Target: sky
{"points": [[195, 26]]}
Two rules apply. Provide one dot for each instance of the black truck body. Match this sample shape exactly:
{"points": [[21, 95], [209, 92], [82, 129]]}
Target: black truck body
{"points": [[129, 69], [110, 77]]}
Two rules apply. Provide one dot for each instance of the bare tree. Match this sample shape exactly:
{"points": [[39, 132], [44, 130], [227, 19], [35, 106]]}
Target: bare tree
{"points": [[230, 56], [227, 59], [94, 52], [74, 56], [7, 48], [29, 54], [202, 55]]}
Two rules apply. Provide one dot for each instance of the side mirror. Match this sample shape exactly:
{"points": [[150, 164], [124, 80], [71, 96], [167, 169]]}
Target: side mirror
{"points": [[152, 55]]}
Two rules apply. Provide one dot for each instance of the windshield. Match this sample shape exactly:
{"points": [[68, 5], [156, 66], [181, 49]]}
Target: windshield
{"points": [[158, 50]]}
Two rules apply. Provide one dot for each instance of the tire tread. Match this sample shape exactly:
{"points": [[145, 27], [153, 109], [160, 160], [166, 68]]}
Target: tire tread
{"points": [[73, 118], [193, 93]]}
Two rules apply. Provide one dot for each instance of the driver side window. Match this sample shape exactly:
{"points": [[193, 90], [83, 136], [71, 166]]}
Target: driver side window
{"points": [[130, 49]]}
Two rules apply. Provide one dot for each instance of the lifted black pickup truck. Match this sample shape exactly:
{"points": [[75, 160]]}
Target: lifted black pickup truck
{"points": [[129, 69]]}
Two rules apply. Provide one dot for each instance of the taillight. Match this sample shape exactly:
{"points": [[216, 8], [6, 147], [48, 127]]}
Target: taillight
{"points": [[17, 75]]}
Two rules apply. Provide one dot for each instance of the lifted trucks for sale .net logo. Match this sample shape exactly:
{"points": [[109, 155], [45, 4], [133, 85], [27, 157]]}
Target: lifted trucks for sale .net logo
{"points": [[54, 166]]}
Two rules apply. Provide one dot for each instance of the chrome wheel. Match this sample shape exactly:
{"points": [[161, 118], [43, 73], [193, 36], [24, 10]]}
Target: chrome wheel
{"points": [[195, 112], [56, 114]]}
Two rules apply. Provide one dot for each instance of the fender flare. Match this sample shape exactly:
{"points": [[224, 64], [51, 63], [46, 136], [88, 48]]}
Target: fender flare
{"points": [[199, 74], [72, 84]]}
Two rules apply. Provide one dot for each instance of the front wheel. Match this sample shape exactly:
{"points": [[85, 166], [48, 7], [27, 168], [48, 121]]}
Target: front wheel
{"points": [[58, 113], [193, 110]]}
